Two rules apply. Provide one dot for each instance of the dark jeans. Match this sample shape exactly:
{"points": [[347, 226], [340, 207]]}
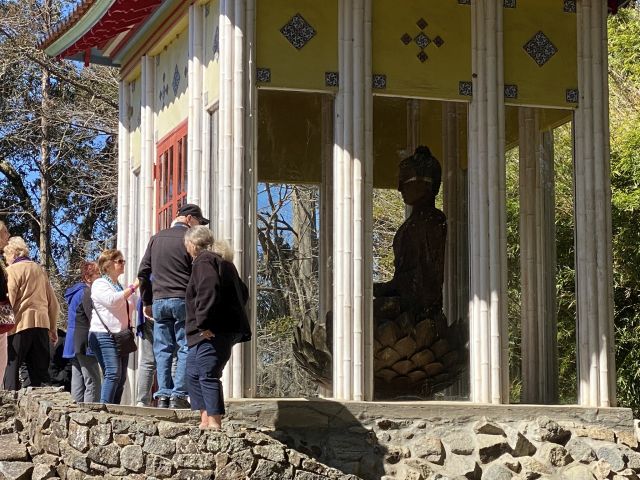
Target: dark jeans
{"points": [[30, 346], [114, 366], [205, 362], [169, 340]]}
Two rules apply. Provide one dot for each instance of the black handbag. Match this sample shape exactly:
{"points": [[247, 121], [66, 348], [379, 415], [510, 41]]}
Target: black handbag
{"points": [[125, 340]]}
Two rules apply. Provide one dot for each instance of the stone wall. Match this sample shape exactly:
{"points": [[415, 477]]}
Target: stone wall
{"points": [[44, 435]]}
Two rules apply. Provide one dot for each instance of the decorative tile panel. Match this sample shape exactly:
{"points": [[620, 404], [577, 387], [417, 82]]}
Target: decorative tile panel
{"points": [[298, 31], [379, 81], [540, 48], [263, 75], [510, 91], [572, 95], [465, 89], [509, 3], [406, 39], [331, 79], [570, 6], [438, 41], [176, 80], [422, 40], [422, 24], [423, 57]]}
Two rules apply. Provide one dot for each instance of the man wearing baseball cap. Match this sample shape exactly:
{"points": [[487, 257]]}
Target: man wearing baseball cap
{"points": [[167, 260]]}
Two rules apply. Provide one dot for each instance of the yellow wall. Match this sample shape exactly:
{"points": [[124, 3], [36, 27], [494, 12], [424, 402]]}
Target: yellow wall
{"points": [[544, 85], [172, 105], [446, 66], [292, 68], [211, 87], [134, 113]]}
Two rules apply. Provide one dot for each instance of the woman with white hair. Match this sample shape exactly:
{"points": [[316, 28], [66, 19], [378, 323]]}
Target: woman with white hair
{"points": [[36, 312], [216, 320]]}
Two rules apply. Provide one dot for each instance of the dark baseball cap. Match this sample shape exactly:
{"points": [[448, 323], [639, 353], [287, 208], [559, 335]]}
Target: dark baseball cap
{"points": [[193, 210]]}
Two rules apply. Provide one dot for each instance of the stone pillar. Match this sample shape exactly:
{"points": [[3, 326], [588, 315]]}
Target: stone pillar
{"points": [[537, 261], [352, 187], [487, 209], [594, 276]]}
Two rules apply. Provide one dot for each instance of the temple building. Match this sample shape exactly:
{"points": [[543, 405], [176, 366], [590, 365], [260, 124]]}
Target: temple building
{"points": [[220, 96]]}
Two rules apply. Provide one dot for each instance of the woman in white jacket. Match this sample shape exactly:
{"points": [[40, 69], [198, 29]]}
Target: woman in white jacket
{"points": [[113, 309]]}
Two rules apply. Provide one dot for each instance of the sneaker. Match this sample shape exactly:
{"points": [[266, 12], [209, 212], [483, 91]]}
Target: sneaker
{"points": [[163, 402], [179, 403]]}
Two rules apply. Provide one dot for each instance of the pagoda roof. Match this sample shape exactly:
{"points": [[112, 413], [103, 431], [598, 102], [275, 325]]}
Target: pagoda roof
{"points": [[95, 29]]}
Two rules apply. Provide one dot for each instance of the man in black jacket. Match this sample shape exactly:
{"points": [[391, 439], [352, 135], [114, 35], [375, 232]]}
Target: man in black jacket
{"points": [[167, 260]]}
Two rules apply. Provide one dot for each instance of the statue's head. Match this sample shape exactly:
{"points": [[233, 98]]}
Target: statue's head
{"points": [[419, 175]]}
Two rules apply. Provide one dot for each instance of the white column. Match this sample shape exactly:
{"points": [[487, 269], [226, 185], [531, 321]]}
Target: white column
{"points": [[195, 120], [537, 260], [231, 195], [123, 241], [594, 276], [487, 227], [148, 154], [352, 186]]}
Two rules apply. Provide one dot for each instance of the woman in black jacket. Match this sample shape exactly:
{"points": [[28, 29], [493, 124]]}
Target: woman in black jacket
{"points": [[216, 320]]}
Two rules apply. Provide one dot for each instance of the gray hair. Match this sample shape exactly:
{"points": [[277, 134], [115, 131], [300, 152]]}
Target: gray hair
{"points": [[200, 237], [17, 247]]}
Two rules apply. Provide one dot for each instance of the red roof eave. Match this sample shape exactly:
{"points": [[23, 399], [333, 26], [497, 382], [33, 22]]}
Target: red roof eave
{"points": [[123, 15]]}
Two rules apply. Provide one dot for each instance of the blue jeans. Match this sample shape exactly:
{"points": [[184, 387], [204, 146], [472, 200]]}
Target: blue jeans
{"points": [[169, 339], [114, 366], [205, 363]]}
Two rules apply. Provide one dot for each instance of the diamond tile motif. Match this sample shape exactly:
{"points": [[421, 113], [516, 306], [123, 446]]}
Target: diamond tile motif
{"points": [[572, 95], [298, 31], [540, 48], [423, 57], [406, 39], [422, 40], [379, 81], [570, 6], [509, 3], [331, 79], [438, 41], [176, 80], [465, 89], [422, 24], [263, 75], [510, 91]]}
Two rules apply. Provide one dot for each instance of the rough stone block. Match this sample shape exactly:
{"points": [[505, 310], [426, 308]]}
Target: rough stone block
{"points": [[217, 442], [394, 454], [233, 471], [507, 460], [172, 430], [460, 443], [272, 452], [601, 433], [78, 436], [497, 472], [16, 470], [100, 435], [578, 472], [186, 445], [463, 465], [132, 458], [148, 428], [11, 449], [121, 425], [546, 430], [488, 428], [81, 418], [108, 455], [46, 459], [295, 458], [532, 468], [122, 439], [636, 428], [491, 447], [554, 454], [159, 446], [430, 449], [158, 466], [628, 438], [520, 445], [613, 457], [194, 475], [580, 451], [268, 470], [601, 469], [195, 460], [42, 472], [633, 460]]}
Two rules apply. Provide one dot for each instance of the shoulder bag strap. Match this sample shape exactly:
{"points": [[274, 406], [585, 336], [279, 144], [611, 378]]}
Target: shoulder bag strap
{"points": [[100, 318]]}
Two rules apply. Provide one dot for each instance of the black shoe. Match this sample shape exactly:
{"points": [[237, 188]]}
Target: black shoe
{"points": [[179, 402], [163, 402]]}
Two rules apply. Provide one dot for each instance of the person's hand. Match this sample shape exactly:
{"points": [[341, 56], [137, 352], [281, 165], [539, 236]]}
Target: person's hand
{"points": [[207, 334], [148, 312], [53, 336], [136, 283]]}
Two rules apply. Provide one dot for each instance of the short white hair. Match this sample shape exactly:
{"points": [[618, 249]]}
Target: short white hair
{"points": [[17, 247], [200, 237]]}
